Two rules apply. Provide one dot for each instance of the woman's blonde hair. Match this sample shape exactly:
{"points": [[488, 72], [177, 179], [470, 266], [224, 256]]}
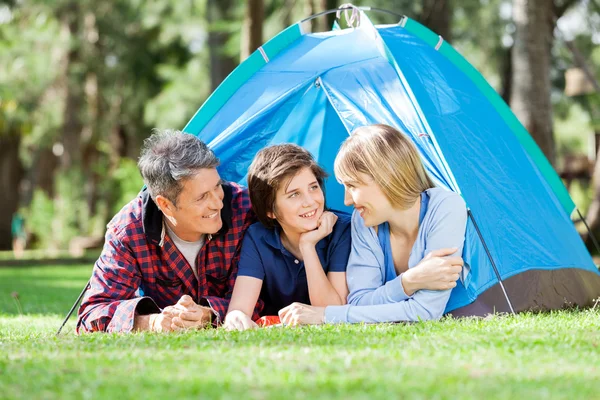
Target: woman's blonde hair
{"points": [[389, 158]]}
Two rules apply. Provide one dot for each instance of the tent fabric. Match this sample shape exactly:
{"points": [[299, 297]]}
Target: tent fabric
{"points": [[511, 120], [314, 89]]}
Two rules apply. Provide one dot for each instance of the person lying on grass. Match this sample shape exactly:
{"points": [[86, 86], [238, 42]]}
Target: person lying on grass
{"points": [[170, 256], [400, 219], [298, 251]]}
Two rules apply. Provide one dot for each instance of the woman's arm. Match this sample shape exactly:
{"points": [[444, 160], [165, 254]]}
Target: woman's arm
{"points": [[365, 272], [447, 231]]}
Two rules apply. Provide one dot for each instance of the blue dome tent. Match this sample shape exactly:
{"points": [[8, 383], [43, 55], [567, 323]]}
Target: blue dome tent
{"points": [[522, 250]]}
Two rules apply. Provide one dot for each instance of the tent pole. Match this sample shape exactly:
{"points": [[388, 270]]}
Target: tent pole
{"points": [[589, 231], [487, 251], [87, 285]]}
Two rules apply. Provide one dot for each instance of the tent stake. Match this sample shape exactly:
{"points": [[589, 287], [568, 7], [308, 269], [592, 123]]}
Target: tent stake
{"points": [[487, 251], [589, 231], [87, 285]]}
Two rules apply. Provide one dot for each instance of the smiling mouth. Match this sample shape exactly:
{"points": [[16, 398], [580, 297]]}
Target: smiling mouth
{"points": [[309, 214], [211, 216]]}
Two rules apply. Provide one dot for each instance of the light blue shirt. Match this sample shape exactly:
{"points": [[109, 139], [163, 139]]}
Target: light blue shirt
{"points": [[376, 293]]}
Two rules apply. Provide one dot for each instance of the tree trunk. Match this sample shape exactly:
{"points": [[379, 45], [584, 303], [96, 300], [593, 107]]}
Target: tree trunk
{"points": [[530, 89], [252, 33], [41, 174], [288, 6], [74, 84], [326, 22], [437, 16], [506, 74], [309, 7], [221, 64], [11, 172], [593, 214]]}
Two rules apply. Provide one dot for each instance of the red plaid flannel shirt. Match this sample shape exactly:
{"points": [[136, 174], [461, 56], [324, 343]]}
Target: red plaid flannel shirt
{"points": [[141, 270]]}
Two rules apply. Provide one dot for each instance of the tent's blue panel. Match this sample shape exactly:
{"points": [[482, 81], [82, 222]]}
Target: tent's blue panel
{"points": [[305, 118], [511, 120], [370, 92], [239, 76], [520, 217], [293, 67], [254, 98], [239, 144]]}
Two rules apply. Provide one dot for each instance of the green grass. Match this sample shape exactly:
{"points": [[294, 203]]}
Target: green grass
{"points": [[525, 356]]}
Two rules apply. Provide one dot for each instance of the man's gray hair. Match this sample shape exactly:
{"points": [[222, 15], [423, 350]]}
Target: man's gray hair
{"points": [[168, 158]]}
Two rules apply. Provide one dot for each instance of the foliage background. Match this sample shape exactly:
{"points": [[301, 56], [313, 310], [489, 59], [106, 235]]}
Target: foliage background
{"points": [[82, 83]]}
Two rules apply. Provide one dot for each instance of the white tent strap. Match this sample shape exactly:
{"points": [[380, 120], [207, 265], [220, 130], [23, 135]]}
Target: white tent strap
{"points": [[353, 19], [439, 43], [264, 55]]}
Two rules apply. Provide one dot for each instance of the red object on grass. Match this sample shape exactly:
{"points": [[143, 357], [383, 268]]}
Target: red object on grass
{"points": [[268, 320]]}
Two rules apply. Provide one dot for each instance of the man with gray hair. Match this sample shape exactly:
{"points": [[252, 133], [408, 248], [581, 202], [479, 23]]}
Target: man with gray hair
{"points": [[170, 256]]}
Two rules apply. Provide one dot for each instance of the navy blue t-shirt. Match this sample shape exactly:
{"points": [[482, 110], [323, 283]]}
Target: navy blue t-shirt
{"points": [[284, 277]]}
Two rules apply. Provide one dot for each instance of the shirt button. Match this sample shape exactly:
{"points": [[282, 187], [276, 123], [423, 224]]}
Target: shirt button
{"points": [[297, 262]]}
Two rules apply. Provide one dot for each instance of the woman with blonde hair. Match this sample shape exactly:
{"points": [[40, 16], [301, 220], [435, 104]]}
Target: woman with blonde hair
{"points": [[400, 220]]}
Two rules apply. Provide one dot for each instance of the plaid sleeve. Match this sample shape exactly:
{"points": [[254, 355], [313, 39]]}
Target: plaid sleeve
{"points": [[110, 303], [219, 305]]}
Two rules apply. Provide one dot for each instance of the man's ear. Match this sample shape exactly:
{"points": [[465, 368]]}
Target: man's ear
{"points": [[165, 205]]}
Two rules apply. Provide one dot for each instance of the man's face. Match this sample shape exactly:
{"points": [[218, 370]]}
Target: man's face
{"points": [[199, 205]]}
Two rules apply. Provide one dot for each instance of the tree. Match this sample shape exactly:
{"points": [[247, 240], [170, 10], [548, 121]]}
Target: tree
{"points": [[220, 12], [252, 32], [437, 16], [531, 57], [530, 86], [11, 172]]}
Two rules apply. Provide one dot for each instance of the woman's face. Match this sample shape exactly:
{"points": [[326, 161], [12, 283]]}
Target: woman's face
{"points": [[299, 204], [368, 199]]}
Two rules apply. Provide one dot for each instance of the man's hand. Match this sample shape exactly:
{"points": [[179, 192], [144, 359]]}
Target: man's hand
{"points": [[237, 320], [325, 227], [302, 314], [437, 271], [186, 314], [153, 322], [161, 322]]}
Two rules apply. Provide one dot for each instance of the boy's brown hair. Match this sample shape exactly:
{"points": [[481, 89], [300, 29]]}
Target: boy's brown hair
{"points": [[272, 167]]}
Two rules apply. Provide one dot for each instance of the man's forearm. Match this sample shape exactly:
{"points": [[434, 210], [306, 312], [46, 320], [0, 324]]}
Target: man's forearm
{"points": [[141, 322]]}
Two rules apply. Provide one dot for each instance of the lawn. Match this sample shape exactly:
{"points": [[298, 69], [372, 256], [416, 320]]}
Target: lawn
{"points": [[553, 355]]}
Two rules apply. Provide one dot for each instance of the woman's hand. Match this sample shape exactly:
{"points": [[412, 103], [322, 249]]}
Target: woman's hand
{"points": [[437, 271], [325, 227], [302, 314], [236, 320]]}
